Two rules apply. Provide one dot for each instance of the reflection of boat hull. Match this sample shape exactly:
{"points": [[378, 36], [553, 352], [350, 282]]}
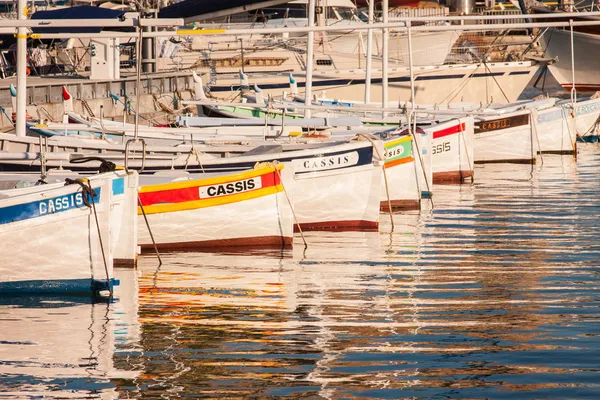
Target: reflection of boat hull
{"points": [[557, 45], [247, 209], [56, 341], [63, 346], [494, 83]]}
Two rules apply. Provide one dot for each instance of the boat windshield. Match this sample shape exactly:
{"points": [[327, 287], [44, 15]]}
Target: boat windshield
{"points": [[342, 13]]}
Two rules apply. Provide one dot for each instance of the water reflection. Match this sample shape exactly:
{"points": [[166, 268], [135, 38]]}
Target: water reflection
{"points": [[63, 347], [492, 293]]}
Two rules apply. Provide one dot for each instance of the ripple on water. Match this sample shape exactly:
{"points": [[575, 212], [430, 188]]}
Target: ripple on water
{"points": [[493, 293]]}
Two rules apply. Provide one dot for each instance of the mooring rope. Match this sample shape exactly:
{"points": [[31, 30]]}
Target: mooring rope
{"points": [[149, 230], [105, 165], [88, 191], [274, 165], [462, 138], [533, 115], [412, 134], [87, 108], [194, 151], [385, 179]]}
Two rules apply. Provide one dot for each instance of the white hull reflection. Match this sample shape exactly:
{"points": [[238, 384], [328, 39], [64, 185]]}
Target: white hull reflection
{"points": [[63, 347]]}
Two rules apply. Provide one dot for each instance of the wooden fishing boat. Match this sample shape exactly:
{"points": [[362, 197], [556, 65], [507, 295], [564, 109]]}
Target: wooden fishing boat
{"points": [[505, 138], [587, 117], [402, 183], [58, 237], [245, 209], [555, 129], [452, 150], [337, 184]]}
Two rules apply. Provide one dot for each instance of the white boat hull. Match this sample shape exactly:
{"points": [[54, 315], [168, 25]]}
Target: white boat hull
{"points": [[261, 217], [478, 83], [557, 45], [587, 117], [50, 242], [344, 199], [452, 151], [555, 130], [505, 138], [400, 185]]}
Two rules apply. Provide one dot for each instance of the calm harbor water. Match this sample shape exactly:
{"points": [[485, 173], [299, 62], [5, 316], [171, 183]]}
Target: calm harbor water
{"points": [[492, 294]]}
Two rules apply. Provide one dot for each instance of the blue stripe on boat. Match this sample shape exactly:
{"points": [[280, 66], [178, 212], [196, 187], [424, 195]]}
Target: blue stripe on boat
{"points": [[350, 82], [552, 115], [41, 208], [118, 186], [71, 286]]}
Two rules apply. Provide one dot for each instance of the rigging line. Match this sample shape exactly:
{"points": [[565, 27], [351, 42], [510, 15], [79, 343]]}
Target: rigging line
{"points": [[419, 153], [533, 116], [274, 164], [385, 178], [462, 138], [497, 84], [149, 230], [88, 191], [461, 86]]}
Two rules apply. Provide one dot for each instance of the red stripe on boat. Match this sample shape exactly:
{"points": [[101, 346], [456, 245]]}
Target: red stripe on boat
{"points": [[449, 131], [193, 193], [271, 179], [170, 196]]}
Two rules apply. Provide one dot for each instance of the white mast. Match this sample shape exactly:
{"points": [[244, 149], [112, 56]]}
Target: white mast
{"points": [[21, 74], [384, 65], [309, 56], [369, 53]]}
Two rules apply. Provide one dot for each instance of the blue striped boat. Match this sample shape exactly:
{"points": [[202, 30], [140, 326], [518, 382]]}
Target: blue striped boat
{"points": [[59, 237]]}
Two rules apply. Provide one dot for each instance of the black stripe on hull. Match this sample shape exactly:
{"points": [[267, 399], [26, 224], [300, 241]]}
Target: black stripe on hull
{"points": [[365, 157], [350, 82], [500, 123]]}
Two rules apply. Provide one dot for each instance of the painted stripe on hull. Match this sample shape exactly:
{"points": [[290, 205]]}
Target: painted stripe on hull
{"points": [[71, 286], [365, 156], [254, 242], [125, 262], [339, 226], [350, 82], [390, 164], [558, 152], [449, 131], [450, 177], [581, 88], [190, 195], [49, 206], [496, 124]]}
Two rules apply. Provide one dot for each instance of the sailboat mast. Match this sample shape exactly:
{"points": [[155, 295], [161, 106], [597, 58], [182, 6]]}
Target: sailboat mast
{"points": [[310, 50], [21, 71]]}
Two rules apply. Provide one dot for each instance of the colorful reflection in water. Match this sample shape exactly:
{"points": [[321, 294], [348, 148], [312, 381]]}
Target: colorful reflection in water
{"points": [[492, 294]]}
